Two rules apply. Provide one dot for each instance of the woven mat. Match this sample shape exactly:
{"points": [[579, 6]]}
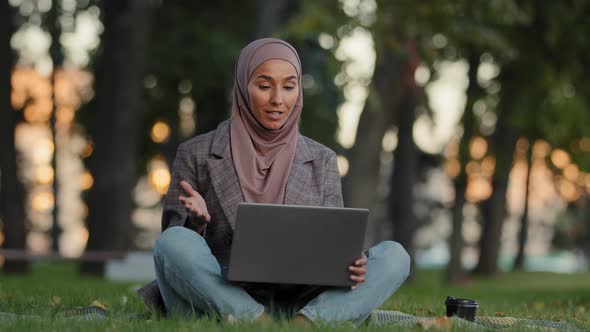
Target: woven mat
{"points": [[390, 317], [82, 313]]}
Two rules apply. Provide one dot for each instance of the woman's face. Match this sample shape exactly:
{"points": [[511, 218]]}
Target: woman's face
{"points": [[273, 92]]}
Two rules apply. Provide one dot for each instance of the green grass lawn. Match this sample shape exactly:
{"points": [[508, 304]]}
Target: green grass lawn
{"points": [[52, 289]]}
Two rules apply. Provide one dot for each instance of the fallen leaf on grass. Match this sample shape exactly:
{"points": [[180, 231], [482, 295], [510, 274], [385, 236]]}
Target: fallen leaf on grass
{"points": [[441, 323], [55, 300], [499, 314], [99, 304]]}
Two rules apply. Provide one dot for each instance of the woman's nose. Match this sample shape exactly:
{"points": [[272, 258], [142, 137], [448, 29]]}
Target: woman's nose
{"points": [[276, 98]]}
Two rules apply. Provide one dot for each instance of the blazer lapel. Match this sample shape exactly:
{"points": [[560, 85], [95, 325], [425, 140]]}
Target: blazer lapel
{"points": [[299, 180], [223, 173]]}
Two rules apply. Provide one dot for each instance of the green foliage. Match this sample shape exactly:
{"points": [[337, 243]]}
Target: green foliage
{"points": [[194, 43], [199, 42], [321, 96]]}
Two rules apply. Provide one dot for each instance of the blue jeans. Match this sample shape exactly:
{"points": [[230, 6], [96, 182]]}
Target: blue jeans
{"points": [[191, 282]]}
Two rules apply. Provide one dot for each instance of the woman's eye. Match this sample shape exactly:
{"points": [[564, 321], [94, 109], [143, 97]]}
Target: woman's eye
{"points": [[264, 87], [289, 87]]}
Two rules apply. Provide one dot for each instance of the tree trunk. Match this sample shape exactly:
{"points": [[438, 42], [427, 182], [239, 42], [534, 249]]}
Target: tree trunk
{"points": [[57, 59], [494, 209], [454, 272], [115, 125], [360, 185], [524, 220], [273, 14], [403, 178], [12, 193]]}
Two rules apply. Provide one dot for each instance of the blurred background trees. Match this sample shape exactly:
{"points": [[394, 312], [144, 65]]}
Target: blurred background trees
{"points": [[12, 209], [473, 122]]}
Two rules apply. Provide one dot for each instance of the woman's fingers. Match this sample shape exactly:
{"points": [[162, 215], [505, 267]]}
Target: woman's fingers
{"points": [[357, 279], [195, 206], [361, 261], [357, 269]]}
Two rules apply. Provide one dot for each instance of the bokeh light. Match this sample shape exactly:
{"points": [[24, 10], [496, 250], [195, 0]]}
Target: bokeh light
{"points": [[43, 152], [478, 189], [560, 158], [488, 164], [38, 242], [86, 180], [88, 150], [65, 115], [343, 165], [472, 168], [42, 201], [568, 190], [159, 175], [571, 172], [160, 132], [452, 168], [522, 145], [44, 174], [541, 149], [478, 147]]}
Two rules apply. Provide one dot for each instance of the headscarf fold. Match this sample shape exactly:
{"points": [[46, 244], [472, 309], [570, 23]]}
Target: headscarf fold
{"points": [[262, 157]]}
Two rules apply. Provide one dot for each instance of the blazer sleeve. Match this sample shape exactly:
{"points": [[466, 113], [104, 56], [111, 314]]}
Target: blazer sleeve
{"points": [[332, 184], [184, 168]]}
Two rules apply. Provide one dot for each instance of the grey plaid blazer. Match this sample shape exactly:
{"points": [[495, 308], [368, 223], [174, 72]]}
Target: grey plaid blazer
{"points": [[205, 162]]}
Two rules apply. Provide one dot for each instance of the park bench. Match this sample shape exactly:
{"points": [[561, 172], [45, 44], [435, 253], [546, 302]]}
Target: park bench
{"points": [[88, 256]]}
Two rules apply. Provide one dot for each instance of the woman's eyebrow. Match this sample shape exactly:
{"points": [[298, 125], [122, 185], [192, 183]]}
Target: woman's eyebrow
{"points": [[268, 78], [265, 77]]}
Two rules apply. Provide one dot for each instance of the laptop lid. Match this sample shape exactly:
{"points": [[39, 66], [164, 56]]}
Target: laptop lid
{"points": [[296, 244]]}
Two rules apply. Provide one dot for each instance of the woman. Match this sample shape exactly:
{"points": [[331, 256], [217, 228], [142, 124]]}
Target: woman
{"points": [[257, 156]]}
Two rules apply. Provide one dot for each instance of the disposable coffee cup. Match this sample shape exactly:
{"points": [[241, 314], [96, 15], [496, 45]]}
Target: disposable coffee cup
{"points": [[462, 308]]}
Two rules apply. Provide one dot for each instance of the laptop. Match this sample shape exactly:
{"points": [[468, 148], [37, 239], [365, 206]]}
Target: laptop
{"points": [[288, 244]]}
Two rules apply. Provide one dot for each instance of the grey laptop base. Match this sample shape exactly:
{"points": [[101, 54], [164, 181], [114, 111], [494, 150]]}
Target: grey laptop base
{"points": [[296, 244]]}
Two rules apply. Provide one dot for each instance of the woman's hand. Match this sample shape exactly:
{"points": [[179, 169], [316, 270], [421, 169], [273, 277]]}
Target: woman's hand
{"points": [[358, 270], [195, 207]]}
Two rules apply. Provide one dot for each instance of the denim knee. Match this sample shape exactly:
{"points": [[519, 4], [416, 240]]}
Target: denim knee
{"points": [[176, 241], [393, 259]]}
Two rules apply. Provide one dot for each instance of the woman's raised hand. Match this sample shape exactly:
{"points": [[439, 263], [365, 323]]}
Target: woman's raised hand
{"points": [[195, 206]]}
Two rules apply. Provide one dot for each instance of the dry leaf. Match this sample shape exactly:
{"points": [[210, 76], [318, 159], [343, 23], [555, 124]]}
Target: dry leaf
{"points": [[99, 304], [55, 300], [440, 323], [499, 314]]}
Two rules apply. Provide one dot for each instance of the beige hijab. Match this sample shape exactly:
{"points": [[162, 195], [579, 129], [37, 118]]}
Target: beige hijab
{"points": [[262, 157]]}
